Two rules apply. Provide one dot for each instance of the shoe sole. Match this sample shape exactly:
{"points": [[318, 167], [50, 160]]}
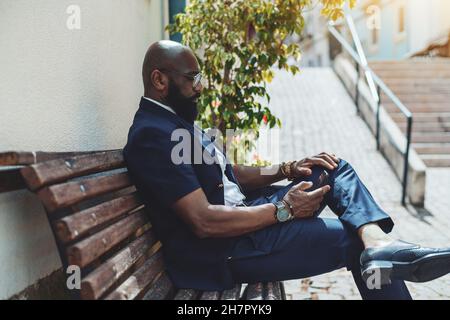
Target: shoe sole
{"points": [[425, 269]]}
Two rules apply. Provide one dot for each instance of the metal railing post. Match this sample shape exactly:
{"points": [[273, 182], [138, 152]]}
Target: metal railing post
{"points": [[378, 116], [405, 170], [357, 88]]}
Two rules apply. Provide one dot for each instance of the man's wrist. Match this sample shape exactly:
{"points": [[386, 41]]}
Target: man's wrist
{"points": [[287, 170], [280, 173], [275, 213], [289, 206]]}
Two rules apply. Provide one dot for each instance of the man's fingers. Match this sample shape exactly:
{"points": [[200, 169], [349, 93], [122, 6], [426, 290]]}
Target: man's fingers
{"points": [[304, 185], [322, 162], [320, 192], [305, 171], [330, 160], [336, 159], [332, 156], [316, 193]]}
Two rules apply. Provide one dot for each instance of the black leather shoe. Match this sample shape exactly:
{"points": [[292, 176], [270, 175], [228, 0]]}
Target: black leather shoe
{"points": [[405, 261]]}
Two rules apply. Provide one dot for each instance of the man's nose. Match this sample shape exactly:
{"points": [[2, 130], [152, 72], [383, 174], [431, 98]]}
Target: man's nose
{"points": [[198, 88]]}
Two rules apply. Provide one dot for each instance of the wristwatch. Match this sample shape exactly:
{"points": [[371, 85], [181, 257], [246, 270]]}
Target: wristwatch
{"points": [[283, 212]]}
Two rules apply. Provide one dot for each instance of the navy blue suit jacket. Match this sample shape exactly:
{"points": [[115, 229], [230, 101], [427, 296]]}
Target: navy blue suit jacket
{"points": [[191, 262]]}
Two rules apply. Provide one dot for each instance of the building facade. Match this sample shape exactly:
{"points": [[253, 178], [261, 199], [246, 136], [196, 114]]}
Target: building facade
{"points": [[396, 29]]}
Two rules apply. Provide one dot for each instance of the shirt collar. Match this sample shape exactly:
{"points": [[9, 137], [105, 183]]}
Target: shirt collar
{"points": [[200, 130], [160, 104]]}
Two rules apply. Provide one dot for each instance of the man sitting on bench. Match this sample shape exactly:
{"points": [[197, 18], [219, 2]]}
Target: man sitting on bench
{"points": [[215, 233]]}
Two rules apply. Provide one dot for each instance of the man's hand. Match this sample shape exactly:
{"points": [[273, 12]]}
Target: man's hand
{"points": [[304, 204], [303, 167]]}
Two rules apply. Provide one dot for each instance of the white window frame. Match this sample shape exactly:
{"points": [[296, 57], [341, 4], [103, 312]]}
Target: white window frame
{"points": [[400, 36]]}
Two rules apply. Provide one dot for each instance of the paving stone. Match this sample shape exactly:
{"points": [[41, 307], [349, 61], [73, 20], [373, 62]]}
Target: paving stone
{"points": [[325, 296], [300, 296]]}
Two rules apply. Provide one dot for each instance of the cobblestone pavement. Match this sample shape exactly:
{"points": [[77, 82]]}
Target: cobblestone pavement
{"points": [[318, 115]]}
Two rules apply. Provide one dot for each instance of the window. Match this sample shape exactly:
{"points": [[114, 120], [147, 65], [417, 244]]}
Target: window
{"points": [[401, 19], [400, 22], [374, 37]]}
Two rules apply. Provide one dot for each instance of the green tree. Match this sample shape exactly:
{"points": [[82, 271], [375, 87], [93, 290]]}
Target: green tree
{"points": [[238, 43]]}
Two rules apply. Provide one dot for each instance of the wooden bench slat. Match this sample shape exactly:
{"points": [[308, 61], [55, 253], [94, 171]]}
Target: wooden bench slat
{"points": [[186, 294], [161, 289], [16, 158], [66, 194], [210, 295], [232, 294], [54, 171], [95, 284], [273, 291], [140, 279], [11, 180], [76, 225], [255, 291], [87, 250]]}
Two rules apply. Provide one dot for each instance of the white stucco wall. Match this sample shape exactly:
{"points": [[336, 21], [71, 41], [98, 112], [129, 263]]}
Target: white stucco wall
{"points": [[64, 90]]}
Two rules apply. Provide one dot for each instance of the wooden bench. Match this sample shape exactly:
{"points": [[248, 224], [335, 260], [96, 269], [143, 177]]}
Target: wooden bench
{"points": [[101, 225]]}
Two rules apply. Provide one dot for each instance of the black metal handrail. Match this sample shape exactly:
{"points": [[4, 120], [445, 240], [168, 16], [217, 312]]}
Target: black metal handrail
{"points": [[381, 87]]}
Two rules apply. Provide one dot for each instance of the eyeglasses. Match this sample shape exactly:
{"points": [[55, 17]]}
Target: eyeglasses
{"points": [[197, 79]]}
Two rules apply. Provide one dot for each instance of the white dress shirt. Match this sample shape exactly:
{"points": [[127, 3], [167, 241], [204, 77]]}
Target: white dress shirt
{"points": [[232, 193]]}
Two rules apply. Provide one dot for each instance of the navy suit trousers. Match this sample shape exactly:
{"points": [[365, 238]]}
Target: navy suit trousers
{"points": [[304, 248]]}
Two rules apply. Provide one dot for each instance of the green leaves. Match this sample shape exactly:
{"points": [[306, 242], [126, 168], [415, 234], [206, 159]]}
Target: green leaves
{"points": [[238, 43]]}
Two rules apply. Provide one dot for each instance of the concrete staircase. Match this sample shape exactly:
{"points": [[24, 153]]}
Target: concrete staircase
{"points": [[423, 85]]}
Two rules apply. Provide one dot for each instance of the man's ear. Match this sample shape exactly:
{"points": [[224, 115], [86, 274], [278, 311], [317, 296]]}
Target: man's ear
{"points": [[159, 80]]}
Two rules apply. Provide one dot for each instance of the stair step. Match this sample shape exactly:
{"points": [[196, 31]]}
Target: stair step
{"points": [[420, 107], [422, 98], [406, 89], [427, 127], [434, 73], [436, 160], [417, 81], [422, 117], [431, 148], [431, 137], [409, 63]]}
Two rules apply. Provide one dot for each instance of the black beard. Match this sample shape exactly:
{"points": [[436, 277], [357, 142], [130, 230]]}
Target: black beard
{"points": [[184, 107]]}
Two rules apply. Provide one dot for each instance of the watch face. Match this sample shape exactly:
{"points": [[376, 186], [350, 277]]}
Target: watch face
{"points": [[283, 215]]}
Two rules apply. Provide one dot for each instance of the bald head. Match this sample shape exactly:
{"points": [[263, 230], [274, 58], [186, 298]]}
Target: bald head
{"points": [[165, 54], [171, 75]]}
